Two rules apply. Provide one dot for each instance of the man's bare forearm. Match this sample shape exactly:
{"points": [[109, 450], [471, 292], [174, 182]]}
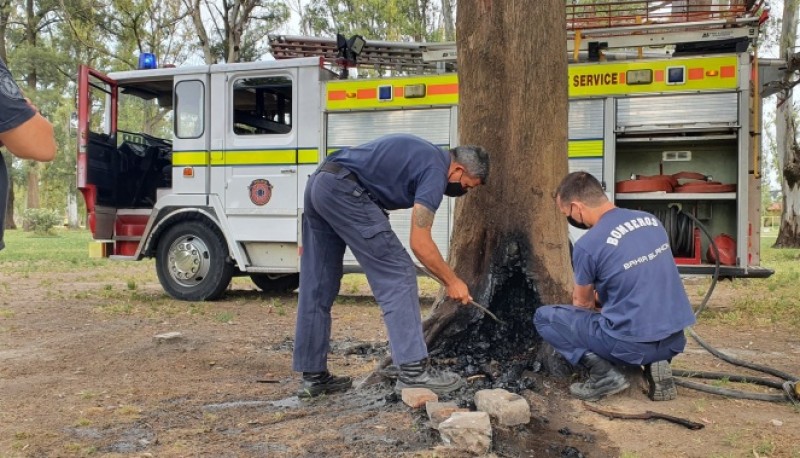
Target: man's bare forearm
{"points": [[423, 246]]}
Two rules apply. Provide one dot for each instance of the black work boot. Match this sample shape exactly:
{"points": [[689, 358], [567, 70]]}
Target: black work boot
{"points": [[604, 379], [420, 374], [316, 383], [660, 385]]}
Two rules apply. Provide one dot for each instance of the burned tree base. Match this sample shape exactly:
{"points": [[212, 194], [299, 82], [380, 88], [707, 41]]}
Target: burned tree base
{"points": [[498, 355]]}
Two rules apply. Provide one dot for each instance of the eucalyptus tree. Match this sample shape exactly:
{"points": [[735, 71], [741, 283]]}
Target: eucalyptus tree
{"points": [[393, 20], [509, 241], [235, 30], [786, 133]]}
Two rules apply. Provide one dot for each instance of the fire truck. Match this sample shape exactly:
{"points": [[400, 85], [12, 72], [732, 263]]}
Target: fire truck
{"points": [[203, 168]]}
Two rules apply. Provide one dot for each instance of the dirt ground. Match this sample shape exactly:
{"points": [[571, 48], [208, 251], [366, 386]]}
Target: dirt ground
{"points": [[81, 374]]}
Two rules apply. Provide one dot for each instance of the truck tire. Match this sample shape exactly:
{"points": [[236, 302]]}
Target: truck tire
{"points": [[192, 262], [276, 283]]}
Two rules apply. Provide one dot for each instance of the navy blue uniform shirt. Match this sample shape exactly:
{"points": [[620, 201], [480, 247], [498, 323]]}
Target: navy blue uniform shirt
{"points": [[399, 170], [626, 256]]}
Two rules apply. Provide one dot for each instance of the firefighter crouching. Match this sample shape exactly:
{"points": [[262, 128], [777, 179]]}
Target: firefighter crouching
{"points": [[346, 204], [626, 259]]}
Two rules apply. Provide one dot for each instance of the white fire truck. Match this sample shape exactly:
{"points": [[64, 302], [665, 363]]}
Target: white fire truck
{"points": [[203, 168]]}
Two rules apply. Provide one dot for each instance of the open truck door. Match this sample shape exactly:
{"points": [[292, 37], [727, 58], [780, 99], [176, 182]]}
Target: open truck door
{"points": [[96, 149], [124, 153]]}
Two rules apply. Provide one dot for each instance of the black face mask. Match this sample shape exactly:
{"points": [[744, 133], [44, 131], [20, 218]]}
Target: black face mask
{"points": [[454, 188], [574, 223]]}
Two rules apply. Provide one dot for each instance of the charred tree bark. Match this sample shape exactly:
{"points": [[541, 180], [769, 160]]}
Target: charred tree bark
{"points": [[510, 242]]}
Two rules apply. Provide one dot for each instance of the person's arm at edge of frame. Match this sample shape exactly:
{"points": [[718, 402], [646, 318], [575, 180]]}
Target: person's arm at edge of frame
{"points": [[33, 139], [427, 252]]}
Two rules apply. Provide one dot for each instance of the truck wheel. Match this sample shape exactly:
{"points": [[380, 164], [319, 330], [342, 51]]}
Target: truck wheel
{"points": [[192, 262], [276, 283]]}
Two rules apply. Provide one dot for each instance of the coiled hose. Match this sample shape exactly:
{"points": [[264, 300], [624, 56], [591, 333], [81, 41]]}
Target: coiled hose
{"points": [[789, 383]]}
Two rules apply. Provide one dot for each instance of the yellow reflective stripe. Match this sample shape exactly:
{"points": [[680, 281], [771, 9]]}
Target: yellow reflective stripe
{"points": [[253, 157], [245, 157], [186, 158], [307, 156], [585, 148]]}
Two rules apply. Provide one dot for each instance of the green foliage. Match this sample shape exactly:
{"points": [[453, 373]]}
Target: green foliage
{"points": [[41, 220], [394, 20]]}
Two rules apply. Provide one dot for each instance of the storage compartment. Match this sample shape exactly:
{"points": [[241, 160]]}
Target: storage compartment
{"points": [[665, 158]]}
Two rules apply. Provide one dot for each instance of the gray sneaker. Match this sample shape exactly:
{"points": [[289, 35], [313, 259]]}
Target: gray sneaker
{"points": [[660, 385]]}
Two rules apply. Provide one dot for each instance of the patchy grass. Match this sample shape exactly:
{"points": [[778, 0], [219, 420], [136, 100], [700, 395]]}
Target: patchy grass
{"points": [[64, 251], [225, 317], [762, 301]]}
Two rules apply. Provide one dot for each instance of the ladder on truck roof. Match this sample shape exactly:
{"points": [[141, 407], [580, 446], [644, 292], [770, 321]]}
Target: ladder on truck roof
{"points": [[592, 26], [379, 54]]}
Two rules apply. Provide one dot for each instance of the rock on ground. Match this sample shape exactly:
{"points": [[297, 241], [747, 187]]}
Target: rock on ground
{"points": [[417, 397], [508, 408], [467, 431], [441, 411]]}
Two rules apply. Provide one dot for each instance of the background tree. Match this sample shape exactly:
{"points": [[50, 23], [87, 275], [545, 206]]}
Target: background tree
{"points": [[34, 61], [786, 134], [394, 20], [510, 242], [234, 30], [448, 10]]}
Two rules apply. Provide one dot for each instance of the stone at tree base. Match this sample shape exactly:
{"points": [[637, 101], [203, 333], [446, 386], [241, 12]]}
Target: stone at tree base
{"points": [[510, 409], [467, 431], [417, 397], [441, 411]]}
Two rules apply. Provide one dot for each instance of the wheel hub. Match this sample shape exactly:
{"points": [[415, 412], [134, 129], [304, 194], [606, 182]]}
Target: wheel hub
{"points": [[188, 260]]}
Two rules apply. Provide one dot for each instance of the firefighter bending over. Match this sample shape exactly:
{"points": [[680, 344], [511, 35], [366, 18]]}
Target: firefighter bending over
{"points": [[626, 260], [346, 204]]}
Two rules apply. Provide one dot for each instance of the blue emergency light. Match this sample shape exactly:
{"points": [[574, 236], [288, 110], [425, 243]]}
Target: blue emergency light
{"points": [[147, 61]]}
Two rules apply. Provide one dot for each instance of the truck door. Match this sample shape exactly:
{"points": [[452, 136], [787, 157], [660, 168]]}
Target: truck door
{"points": [[97, 149], [260, 155]]}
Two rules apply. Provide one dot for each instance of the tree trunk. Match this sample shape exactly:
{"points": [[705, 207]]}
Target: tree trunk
{"points": [[510, 242], [786, 133], [73, 220], [9, 221], [200, 28], [447, 16], [33, 190]]}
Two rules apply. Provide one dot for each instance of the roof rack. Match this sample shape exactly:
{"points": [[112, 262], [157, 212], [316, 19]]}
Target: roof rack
{"points": [[382, 55], [592, 26], [605, 14]]}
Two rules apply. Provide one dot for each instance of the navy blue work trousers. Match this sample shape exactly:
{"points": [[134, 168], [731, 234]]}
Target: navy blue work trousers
{"points": [[338, 213], [573, 331]]}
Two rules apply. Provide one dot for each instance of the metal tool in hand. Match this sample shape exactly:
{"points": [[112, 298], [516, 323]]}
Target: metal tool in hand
{"points": [[471, 302]]}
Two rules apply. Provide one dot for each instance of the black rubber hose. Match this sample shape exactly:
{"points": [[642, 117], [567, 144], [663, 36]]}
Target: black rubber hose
{"points": [[729, 377], [742, 363], [788, 387], [709, 348], [736, 394], [715, 277]]}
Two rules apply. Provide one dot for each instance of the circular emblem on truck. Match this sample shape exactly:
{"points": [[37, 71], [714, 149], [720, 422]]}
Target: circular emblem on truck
{"points": [[260, 191]]}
